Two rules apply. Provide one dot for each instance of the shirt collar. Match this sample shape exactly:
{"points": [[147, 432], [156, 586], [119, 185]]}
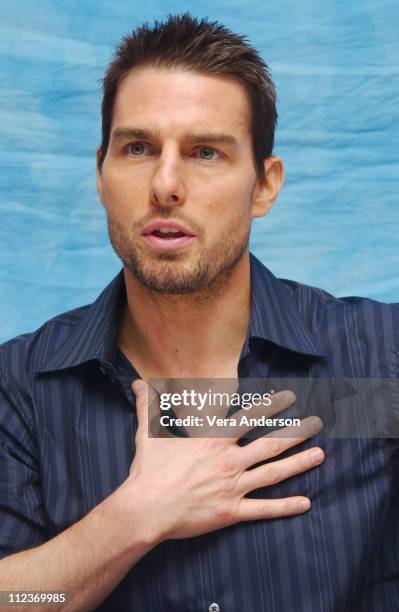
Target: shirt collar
{"points": [[95, 335], [274, 318]]}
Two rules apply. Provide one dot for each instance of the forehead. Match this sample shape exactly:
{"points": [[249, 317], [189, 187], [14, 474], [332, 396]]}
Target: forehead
{"points": [[179, 100]]}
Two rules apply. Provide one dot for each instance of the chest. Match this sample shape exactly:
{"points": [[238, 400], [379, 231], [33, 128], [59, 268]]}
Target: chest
{"points": [[87, 446]]}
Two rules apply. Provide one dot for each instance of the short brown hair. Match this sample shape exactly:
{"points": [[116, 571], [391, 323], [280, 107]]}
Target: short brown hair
{"points": [[204, 47]]}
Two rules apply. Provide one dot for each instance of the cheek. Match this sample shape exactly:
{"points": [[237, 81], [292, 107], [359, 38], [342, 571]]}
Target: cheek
{"points": [[124, 192], [225, 199]]}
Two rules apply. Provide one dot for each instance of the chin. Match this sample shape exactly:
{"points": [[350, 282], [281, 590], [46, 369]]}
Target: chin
{"points": [[170, 276]]}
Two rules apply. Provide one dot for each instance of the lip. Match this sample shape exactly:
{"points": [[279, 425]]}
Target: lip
{"points": [[161, 223], [168, 243]]}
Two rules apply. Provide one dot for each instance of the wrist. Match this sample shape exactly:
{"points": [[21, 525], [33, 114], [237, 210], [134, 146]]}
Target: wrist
{"points": [[130, 509]]}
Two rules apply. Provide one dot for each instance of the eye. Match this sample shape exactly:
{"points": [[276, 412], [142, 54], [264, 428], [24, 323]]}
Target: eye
{"points": [[137, 149], [207, 153]]}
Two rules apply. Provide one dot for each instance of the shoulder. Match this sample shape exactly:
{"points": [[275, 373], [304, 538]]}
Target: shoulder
{"points": [[362, 332], [358, 336], [20, 360], [22, 356], [65, 340], [318, 301]]}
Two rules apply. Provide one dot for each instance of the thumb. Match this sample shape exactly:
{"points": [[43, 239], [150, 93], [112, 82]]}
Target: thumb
{"points": [[147, 408], [140, 389]]}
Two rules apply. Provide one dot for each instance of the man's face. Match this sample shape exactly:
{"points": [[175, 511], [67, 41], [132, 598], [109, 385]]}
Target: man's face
{"points": [[180, 153]]}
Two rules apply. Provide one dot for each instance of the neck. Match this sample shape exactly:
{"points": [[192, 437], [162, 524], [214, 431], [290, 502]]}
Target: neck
{"points": [[192, 335]]}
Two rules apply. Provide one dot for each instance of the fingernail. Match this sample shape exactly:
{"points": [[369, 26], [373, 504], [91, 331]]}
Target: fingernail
{"points": [[303, 505], [289, 396], [138, 385], [316, 456], [316, 425]]}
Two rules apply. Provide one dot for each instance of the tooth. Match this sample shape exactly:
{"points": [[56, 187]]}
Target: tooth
{"points": [[168, 230]]}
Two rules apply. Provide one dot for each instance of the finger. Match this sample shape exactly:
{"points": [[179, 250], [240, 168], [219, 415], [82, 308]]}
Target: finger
{"points": [[276, 471], [140, 389], [308, 427], [258, 509], [277, 442], [148, 412], [278, 402]]}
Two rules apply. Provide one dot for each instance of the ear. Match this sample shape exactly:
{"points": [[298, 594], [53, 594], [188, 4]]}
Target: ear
{"points": [[267, 189], [99, 178]]}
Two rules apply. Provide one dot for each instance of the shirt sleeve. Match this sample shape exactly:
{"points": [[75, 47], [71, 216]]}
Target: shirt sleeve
{"points": [[23, 522]]}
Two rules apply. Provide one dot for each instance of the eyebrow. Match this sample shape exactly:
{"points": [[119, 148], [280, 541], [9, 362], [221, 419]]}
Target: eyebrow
{"points": [[211, 137]]}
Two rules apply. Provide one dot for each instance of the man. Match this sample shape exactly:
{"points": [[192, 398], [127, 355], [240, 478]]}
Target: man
{"points": [[124, 521]]}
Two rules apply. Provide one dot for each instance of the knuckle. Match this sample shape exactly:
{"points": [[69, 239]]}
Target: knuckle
{"points": [[272, 447], [227, 464], [306, 461], [229, 488], [226, 515], [211, 445], [264, 511], [294, 507], [272, 474], [287, 506]]}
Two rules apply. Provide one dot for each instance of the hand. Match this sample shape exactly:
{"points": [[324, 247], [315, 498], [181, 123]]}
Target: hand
{"points": [[191, 486]]}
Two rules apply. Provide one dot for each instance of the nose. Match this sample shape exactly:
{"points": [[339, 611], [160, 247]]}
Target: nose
{"points": [[167, 188]]}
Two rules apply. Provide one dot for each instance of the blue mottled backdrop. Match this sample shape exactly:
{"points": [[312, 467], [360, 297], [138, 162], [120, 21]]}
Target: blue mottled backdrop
{"points": [[336, 66]]}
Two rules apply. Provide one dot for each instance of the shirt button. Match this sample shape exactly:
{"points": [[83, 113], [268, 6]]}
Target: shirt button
{"points": [[214, 608]]}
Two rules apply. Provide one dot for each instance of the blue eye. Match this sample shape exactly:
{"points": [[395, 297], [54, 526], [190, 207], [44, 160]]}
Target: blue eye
{"points": [[207, 153], [136, 148]]}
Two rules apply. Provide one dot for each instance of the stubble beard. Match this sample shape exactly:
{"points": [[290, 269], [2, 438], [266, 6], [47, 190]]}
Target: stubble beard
{"points": [[171, 273]]}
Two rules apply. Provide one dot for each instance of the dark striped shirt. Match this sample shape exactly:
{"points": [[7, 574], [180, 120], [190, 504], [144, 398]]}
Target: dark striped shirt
{"points": [[67, 425]]}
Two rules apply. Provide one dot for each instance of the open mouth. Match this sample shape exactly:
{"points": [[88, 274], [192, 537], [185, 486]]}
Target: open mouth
{"points": [[168, 235]]}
